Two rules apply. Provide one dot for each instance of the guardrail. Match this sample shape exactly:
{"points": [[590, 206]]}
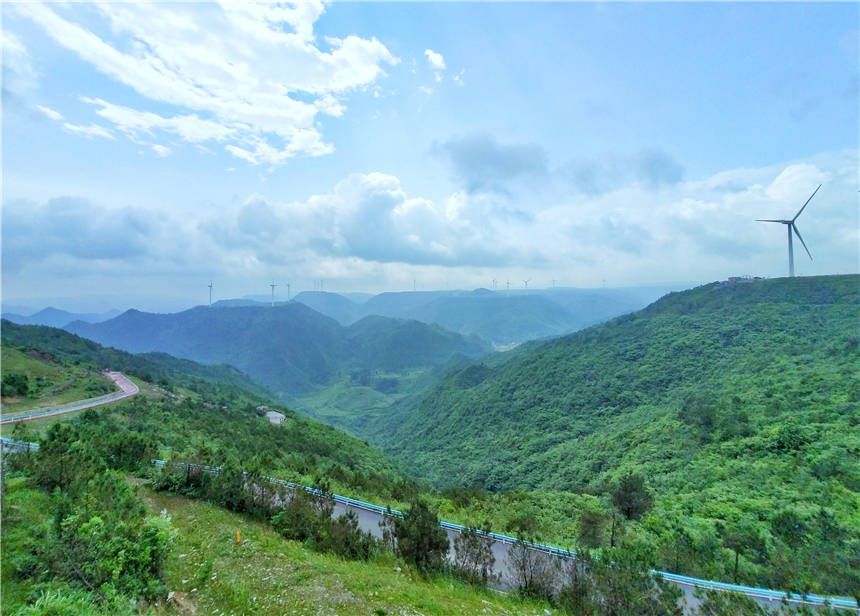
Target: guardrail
{"points": [[81, 405], [751, 591], [774, 595]]}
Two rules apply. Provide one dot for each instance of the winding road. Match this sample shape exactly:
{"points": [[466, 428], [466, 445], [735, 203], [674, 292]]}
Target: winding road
{"points": [[370, 515], [127, 389]]}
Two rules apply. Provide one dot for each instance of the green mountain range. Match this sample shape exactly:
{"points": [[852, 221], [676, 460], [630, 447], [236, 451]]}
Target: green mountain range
{"points": [[289, 348], [738, 403]]}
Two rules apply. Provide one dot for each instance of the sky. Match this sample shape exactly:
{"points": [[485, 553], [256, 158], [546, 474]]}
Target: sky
{"points": [[150, 149]]}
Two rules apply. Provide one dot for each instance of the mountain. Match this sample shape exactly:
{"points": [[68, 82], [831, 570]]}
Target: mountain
{"points": [[333, 305], [289, 347], [152, 367], [54, 317], [738, 403], [752, 349], [501, 317]]}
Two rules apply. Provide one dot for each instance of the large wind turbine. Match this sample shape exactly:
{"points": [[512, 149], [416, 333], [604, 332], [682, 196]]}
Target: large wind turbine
{"points": [[791, 226]]}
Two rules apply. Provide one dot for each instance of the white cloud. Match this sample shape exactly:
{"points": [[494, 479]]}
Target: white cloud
{"points": [[248, 74], [161, 150], [54, 115], [19, 76], [368, 232], [436, 60], [92, 130], [142, 123]]}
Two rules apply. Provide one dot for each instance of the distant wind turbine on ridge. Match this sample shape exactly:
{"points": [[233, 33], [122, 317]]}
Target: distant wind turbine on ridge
{"points": [[791, 226], [211, 284], [273, 285]]}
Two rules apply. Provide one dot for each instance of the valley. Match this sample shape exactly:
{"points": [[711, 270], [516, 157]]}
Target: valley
{"points": [[535, 441]]}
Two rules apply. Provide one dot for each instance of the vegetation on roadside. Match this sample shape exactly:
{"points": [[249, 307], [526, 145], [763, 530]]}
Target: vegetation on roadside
{"points": [[38, 378]]}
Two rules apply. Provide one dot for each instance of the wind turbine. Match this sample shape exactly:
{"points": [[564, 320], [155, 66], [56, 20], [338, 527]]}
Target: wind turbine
{"points": [[273, 285], [288, 291], [210, 293], [526, 283], [790, 225]]}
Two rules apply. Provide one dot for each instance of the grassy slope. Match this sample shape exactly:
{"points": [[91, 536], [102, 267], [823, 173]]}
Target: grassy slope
{"points": [[263, 575], [52, 381], [266, 574]]}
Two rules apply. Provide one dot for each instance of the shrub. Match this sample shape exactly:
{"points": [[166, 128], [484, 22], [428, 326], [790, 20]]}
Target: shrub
{"points": [[420, 539], [15, 384]]}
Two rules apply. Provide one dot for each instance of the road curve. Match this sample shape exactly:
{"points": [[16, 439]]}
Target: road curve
{"points": [[127, 389]]}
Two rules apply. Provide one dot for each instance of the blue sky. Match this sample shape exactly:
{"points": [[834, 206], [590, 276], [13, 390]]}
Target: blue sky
{"points": [[150, 148]]}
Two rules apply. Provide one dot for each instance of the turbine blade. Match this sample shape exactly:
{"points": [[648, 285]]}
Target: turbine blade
{"points": [[793, 226], [805, 204], [767, 220]]}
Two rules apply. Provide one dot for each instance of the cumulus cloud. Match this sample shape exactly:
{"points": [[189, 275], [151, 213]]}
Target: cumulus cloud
{"points": [[480, 163], [72, 227], [250, 75], [437, 62], [367, 230], [366, 216]]}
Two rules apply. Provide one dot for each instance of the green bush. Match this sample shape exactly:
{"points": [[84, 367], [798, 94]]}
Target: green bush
{"points": [[15, 384], [420, 539]]}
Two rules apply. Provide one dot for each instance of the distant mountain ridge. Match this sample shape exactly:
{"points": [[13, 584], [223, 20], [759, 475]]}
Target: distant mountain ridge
{"points": [[54, 317], [501, 317], [289, 347]]}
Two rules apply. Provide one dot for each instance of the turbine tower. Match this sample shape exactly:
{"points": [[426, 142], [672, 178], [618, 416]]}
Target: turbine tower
{"points": [[273, 285], [791, 226], [210, 293], [288, 291]]}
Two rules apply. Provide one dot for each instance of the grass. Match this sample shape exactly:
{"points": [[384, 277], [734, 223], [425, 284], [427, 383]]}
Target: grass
{"points": [[265, 574], [52, 382]]}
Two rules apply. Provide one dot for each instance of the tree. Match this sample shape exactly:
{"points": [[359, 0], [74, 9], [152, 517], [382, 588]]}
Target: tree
{"points": [[592, 528], [420, 539], [474, 559], [741, 538], [535, 572], [15, 384], [632, 497]]}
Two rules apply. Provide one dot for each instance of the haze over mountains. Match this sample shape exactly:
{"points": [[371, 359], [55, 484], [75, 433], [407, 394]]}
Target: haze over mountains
{"points": [[54, 317], [290, 348], [500, 317]]}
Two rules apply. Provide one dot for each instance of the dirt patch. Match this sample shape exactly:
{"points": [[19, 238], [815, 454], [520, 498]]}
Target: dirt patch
{"points": [[181, 603]]}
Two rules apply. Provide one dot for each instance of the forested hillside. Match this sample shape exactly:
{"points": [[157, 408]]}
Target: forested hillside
{"points": [[738, 403], [289, 348], [201, 413]]}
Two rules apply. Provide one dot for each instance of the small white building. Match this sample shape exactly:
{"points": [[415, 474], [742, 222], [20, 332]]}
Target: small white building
{"points": [[275, 418]]}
